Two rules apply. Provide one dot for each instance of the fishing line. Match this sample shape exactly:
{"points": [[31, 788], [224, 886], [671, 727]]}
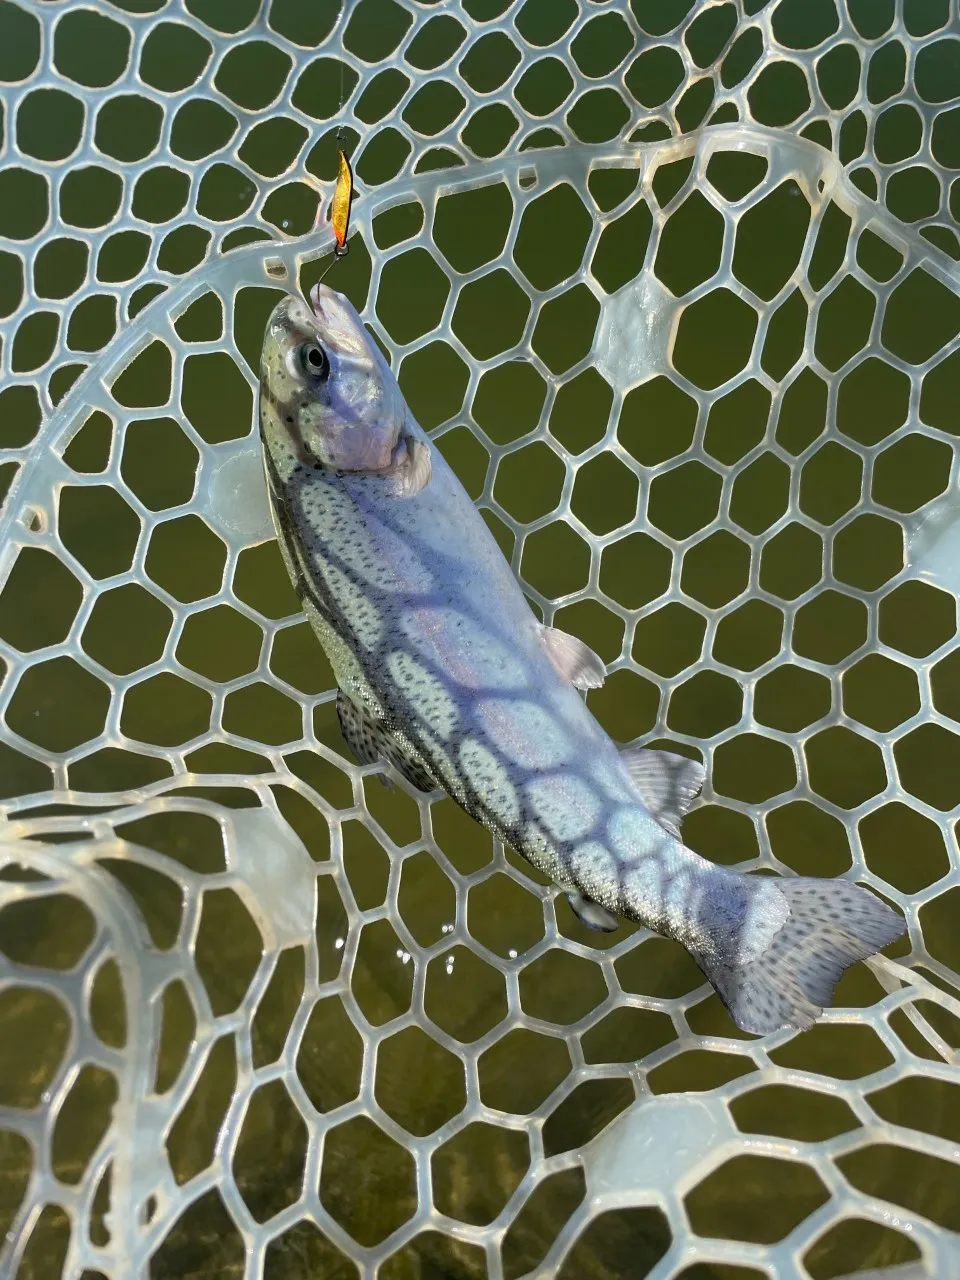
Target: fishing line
{"points": [[343, 68], [343, 191]]}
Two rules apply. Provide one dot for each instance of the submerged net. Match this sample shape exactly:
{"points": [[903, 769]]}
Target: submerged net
{"points": [[675, 286]]}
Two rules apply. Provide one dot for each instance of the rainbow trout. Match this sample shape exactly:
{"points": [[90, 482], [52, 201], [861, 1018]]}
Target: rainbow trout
{"points": [[446, 674]]}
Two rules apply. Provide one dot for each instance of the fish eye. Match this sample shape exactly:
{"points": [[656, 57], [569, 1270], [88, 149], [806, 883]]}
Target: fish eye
{"points": [[314, 361]]}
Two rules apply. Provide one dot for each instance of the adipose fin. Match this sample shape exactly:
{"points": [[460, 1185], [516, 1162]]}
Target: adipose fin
{"points": [[591, 913]]}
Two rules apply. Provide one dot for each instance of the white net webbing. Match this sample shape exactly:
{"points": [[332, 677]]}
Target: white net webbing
{"points": [[675, 284]]}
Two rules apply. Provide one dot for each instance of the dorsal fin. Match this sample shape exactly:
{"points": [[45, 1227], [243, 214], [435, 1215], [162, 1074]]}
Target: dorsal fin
{"points": [[666, 782], [574, 660], [370, 742]]}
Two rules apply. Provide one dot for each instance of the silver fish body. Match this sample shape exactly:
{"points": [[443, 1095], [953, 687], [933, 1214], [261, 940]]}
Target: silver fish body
{"points": [[446, 674]]}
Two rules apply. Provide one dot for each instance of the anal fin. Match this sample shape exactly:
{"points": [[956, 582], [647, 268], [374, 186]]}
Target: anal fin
{"points": [[370, 741], [665, 781], [591, 913]]}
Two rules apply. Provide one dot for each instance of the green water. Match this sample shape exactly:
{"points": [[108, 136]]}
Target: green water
{"points": [[367, 1183]]}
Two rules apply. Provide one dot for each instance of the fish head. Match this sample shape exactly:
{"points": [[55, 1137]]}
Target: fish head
{"points": [[327, 396]]}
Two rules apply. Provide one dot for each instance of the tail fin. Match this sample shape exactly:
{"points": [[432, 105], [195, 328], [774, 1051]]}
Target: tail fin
{"points": [[831, 924]]}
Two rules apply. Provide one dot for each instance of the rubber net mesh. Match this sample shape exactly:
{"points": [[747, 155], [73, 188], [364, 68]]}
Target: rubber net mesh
{"points": [[675, 286]]}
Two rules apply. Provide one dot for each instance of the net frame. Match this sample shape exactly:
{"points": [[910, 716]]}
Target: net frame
{"points": [[225, 497]]}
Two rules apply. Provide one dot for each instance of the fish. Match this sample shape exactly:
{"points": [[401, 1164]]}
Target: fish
{"points": [[447, 676]]}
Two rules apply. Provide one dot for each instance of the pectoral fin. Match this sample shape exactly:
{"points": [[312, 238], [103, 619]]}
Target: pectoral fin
{"points": [[574, 660], [371, 742], [666, 782], [591, 913], [412, 467]]}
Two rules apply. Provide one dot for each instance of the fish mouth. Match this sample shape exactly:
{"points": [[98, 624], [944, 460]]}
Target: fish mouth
{"points": [[337, 323], [293, 318], [319, 294]]}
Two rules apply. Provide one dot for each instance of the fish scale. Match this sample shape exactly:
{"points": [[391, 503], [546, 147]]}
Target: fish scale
{"points": [[445, 673]]}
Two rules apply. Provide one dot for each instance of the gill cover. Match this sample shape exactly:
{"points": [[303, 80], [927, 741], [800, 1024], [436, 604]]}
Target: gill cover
{"points": [[329, 399]]}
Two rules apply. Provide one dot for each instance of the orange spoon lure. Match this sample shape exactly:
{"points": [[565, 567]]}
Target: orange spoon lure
{"points": [[340, 213]]}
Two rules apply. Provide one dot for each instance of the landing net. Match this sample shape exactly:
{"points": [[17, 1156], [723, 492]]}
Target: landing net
{"points": [[675, 287]]}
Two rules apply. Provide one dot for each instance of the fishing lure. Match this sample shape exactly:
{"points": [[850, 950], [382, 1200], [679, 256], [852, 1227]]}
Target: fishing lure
{"points": [[340, 213]]}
